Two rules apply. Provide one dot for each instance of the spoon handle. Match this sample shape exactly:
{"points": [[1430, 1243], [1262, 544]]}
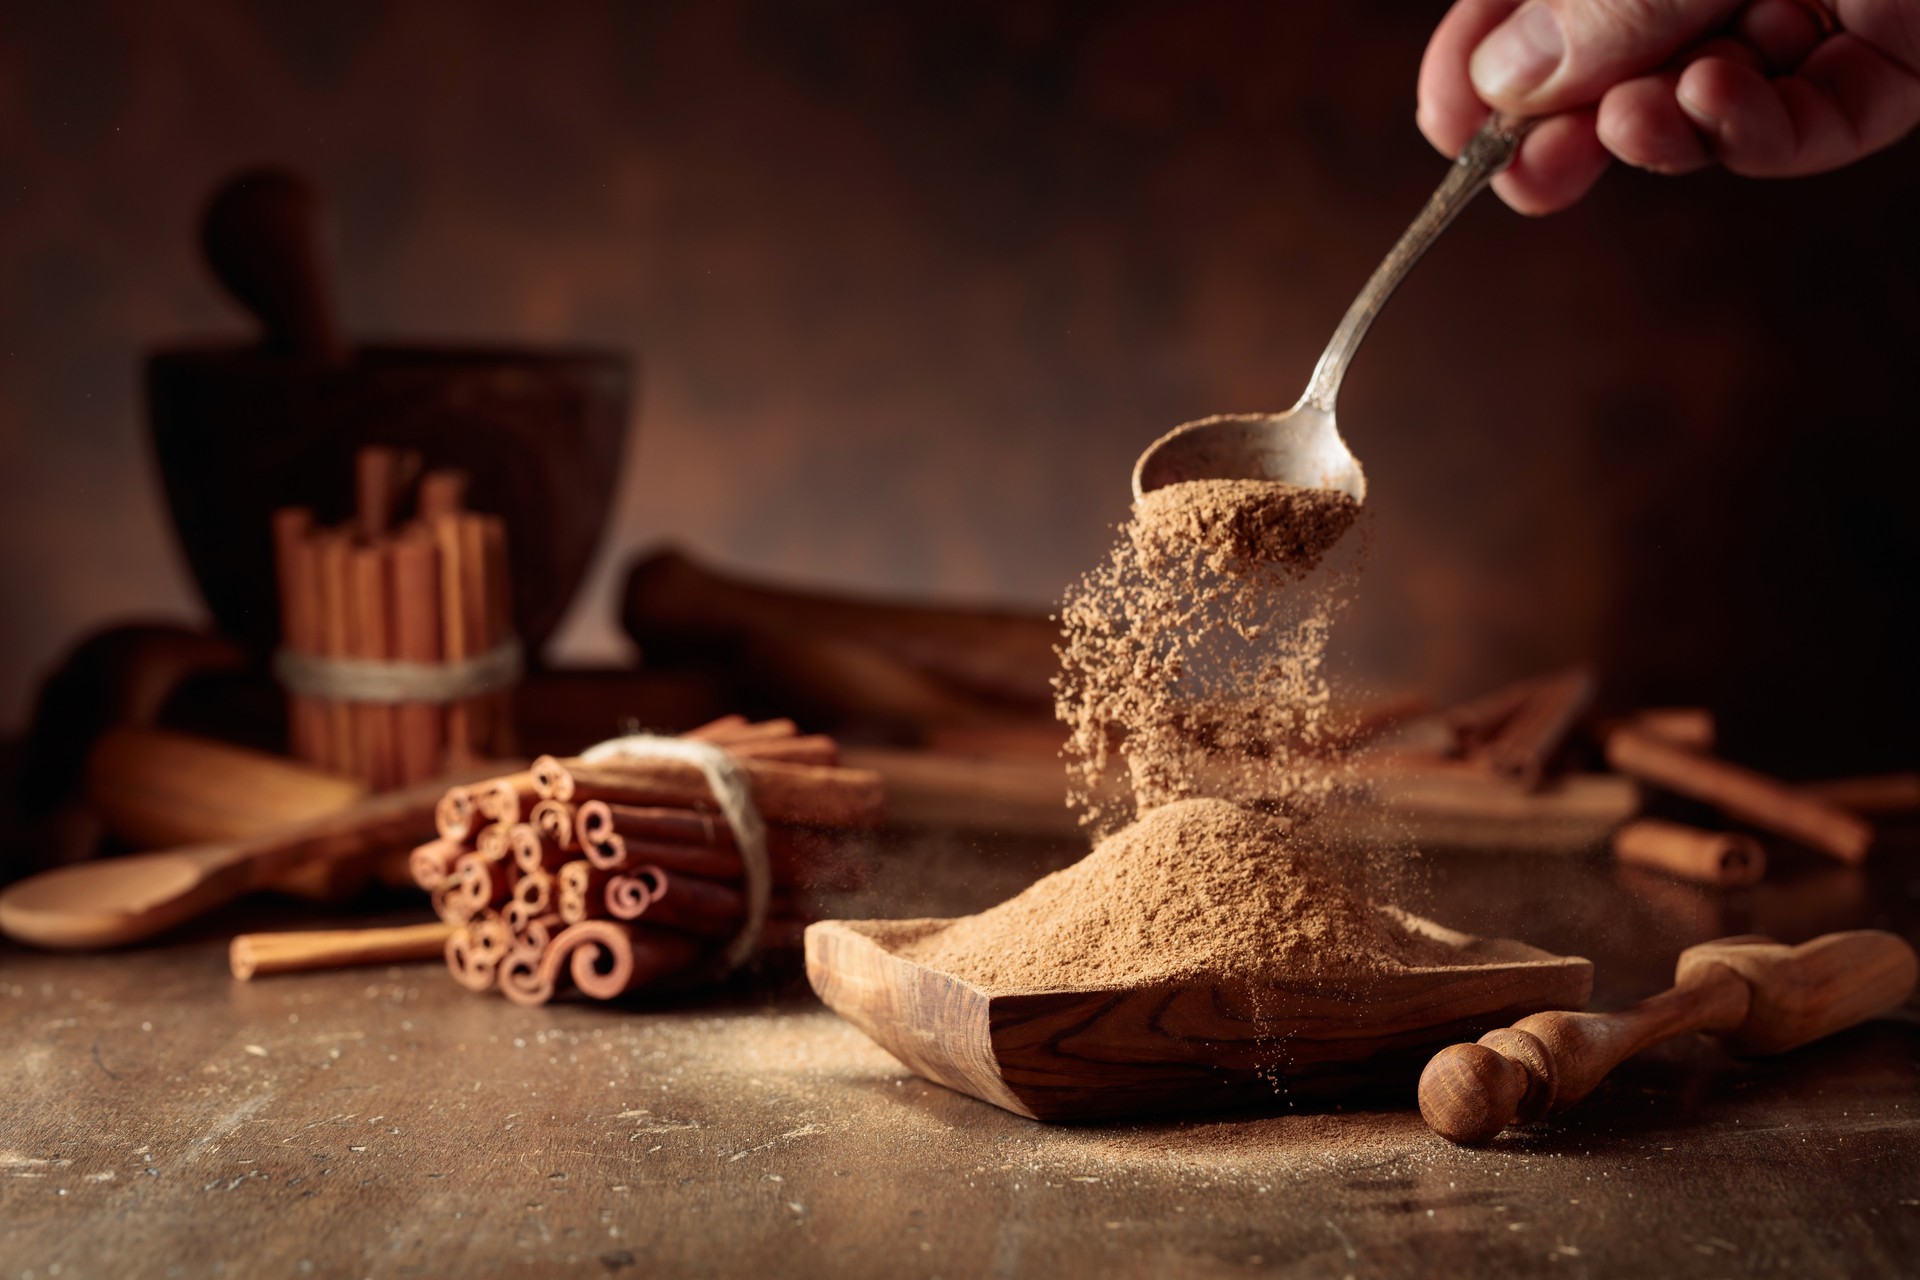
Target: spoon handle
{"points": [[1486, 153]]}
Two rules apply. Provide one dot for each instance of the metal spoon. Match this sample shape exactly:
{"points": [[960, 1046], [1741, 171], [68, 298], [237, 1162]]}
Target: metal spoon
{"points": [[1303, 446]]}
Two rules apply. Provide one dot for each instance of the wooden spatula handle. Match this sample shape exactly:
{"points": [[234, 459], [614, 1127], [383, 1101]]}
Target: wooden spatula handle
{"points": [[1762, 996]]}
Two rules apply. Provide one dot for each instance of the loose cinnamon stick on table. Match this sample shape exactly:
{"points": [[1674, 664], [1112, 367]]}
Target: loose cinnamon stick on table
{"points": [[1741, 793], [415, 608], [1888, 794], [1474, 724], [1689, 727], [1726, 859], [1527, 742], [254, 954]]}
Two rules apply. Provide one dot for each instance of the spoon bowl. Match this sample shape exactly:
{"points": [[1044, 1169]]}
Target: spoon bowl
{"points": [[1303, 446]]}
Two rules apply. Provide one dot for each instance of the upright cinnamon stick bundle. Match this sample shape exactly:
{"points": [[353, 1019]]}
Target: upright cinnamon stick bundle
{"points": [[398, 638], [555, 881]]}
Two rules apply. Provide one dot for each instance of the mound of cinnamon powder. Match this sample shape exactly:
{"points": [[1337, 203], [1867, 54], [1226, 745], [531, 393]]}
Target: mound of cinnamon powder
{"points": [[1197, 890], [1241, 524]]}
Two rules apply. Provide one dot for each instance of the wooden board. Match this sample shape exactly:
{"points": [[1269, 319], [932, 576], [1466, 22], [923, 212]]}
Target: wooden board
{"points": [[1160, 1050]]}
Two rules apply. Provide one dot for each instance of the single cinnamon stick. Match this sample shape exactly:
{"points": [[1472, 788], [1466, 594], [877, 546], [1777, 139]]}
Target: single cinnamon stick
{"points": [[298, 580], [335, 558], [1527, 742], [432, 863], [455, 815], [376, 476], [1741, 793], [582, 890], [807, 795], [555, 821], [1724, 858], [475, 622], [253, 954], [443, 492], [371, 569], [611, 836], [1474, 724], [604, 959], [499, 627], [532, 851], [1689, 727], [455, 641], [493, 842], [1888, 794], [507, 798], [415, 607]]}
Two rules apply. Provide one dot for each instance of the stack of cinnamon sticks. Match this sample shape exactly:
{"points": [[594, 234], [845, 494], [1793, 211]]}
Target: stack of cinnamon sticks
{"points": [[621, 873], [430, 590], [1525, 731]]}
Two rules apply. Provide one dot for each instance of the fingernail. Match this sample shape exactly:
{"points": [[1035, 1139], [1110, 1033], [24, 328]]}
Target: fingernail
{"points": [[1520, 54]]}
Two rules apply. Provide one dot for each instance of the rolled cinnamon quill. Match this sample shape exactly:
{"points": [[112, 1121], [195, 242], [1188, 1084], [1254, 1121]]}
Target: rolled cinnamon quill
{"points": [[1741, 793], [253, 954], [415, 608], [298, 573], [604, 958], [1723, 858], [807, 795]]}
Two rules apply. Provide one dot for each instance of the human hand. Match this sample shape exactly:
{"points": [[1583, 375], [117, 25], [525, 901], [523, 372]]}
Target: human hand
{"points": [[1768, 88]]}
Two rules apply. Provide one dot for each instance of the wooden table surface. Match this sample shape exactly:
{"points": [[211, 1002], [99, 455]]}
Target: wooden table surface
{"points": [[158, 1118]]}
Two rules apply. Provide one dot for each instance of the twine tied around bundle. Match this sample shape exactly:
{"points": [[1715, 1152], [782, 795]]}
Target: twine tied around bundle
{"points": [[734, 794], [374, 680]]}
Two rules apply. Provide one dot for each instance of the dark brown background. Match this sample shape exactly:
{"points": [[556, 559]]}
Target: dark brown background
{"points": [[912, 285]]}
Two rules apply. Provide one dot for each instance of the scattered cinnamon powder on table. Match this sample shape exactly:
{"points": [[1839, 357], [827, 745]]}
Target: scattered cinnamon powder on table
{"points": [[1197, 889]]}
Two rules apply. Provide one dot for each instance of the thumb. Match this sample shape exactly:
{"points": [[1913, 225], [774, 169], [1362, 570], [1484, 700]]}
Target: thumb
{"points": [[1554, 55]]}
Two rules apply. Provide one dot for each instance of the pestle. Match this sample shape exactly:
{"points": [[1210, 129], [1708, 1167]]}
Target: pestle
{"points": [[270, 238], [1759, 996]]}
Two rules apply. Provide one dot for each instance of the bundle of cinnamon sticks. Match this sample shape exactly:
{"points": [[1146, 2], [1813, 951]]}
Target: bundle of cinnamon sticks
{"points": [[616, 874], [431, 590]]}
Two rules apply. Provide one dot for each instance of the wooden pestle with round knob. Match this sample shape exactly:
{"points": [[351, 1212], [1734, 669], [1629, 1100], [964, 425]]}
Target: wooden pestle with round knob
{"points": [[269, 237], [1759, 996]]}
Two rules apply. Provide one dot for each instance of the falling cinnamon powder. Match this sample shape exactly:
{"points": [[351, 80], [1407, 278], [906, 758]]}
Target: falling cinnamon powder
{"points": [[1193, 687], [1194, 656]]}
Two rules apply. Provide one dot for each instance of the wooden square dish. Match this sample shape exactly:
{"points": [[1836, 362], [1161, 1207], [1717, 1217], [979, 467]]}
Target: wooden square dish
{"points": [[1066, 1056]]}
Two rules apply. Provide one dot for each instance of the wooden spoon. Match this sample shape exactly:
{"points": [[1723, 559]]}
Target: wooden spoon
{"points": [[115, 901], [1080, 1055], [1759, 996]]}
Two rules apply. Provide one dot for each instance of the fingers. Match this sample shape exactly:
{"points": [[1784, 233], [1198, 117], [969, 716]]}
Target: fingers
{"points": [[1558, 163], [1560, 160], [1643, 124], [1781, 32], [1449, 109], [1847, 100], [1550, 56]]}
